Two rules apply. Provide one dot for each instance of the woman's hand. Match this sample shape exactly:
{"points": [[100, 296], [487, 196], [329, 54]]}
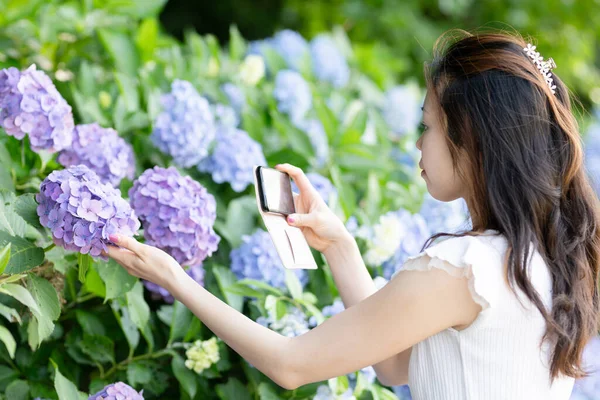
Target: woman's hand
{"points": [[144, 261], [320, 226]]}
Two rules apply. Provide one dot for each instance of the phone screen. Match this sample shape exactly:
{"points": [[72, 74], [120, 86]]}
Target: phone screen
{"points": [[277, 191]]}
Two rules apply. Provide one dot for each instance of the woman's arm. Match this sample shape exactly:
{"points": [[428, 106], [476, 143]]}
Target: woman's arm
{"points": [[355, 284]]}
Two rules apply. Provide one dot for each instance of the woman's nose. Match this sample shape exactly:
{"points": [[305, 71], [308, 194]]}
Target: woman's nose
{"points": [[419, 142]]}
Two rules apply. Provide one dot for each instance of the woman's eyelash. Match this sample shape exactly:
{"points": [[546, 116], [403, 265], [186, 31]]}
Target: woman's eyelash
{"points": [[422, 127]]}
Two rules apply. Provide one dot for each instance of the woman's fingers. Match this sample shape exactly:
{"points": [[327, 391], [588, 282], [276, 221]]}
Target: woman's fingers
{"points": [[122, 256], [298, 176], [127, 242]]}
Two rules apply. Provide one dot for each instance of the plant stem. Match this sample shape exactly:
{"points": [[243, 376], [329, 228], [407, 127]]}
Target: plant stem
{"points": [[50, 247], [125, 362]]}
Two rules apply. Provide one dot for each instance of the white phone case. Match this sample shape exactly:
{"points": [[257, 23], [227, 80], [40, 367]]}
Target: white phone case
{"points": [[289, 241]]}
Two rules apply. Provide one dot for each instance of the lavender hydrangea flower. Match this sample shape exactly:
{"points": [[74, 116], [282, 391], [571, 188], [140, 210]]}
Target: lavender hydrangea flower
{"points": [[292, 47], [592, 154], [415, 234], [118, 391], [402, 109], [323, 185], [230, 166], [256, 258], [293, 94], [30, 104], [236, 97], [177, 213], [185, 128], [318, 138], [588, 388], [82, 212], [103, 151], [445, 216], [160, 293], [329, 64], [291, 324]]}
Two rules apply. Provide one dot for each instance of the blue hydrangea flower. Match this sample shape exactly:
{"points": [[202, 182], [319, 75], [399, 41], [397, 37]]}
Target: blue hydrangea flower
{"points": [[402, 109], [328, 311], [177, 213], [592, 154], [588, 388], [402, 391], [293, 94], [291, 324], [30, 104], [82, 212], [185, 128], [259, 47], [230, 166], [323, 185], [102, 150], [329, 64], [318, 138], [159, 292], [225, 115], [292, 47], [256, 258], [235, 96], [324, 393], [118, 391], [443, 216], [368, 374]]}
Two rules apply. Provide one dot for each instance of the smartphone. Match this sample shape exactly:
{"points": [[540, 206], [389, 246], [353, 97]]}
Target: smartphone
{"points": [[275, 191]]}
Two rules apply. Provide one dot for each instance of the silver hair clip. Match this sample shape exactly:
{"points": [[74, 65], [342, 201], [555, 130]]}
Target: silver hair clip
{"points": [[544, 66]]}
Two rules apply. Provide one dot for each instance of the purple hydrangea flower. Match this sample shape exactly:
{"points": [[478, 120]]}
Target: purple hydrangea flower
{"points": [[588, 388], [592, 154], [256, 258], [30, 103], [118, 391], [441, 216], [236, 97], [329, 64], [233, 166], [318, 138], [323, 185], [177, 213], [415, 234], [292, 47], [293, 94], [103, 151], [159, 292], [402, 109], [185, 128], [82, 212]]}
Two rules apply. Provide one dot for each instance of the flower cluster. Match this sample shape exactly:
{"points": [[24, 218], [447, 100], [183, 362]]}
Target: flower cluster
{"points": [[324, 393], [256, 258], [384, 238], [235, 96], [402, 109], [177, 213], [329, 64], [30, 104], [323, 185], [252, 70], [159, 292], [233, 166], [318, 138], [292, 324], [202, 355], [185, 128], [441, 216], [292, 47], [118, 391], [588, 388], [292, 94], [328, 311], [225, 115], [82, 212], [103, 151]]}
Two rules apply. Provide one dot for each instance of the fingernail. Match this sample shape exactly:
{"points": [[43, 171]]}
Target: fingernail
{"points": [[113, 238], [290, 219]]}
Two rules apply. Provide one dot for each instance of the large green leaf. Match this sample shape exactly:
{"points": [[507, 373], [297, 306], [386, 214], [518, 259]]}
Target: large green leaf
{"points": [[186, 377], [122, 50], [116, 278], [24, 254], [65, 389], [7, 375], [18, 390], [181, 320], [4, 257], [132, 334], [98, 348], [139, 373], [225, 278], [233, 389], [10, 314], [9, 341], [45, 296], [90, 323], [26, 206], [240, 219], [10, 221], [138, 308]]}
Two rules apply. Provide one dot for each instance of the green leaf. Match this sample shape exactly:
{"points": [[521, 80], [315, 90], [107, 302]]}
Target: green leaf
{"points": [[373, 195], [186, 377], [10, 314], [138, 308], [24, 254], [45, 296], [237, 46], [10, 221], [65, 389], [327, 118], [90, 323], [129, 90], [21, 294], [234, 389], [7, 338], [182, 318], [225, 278], [62, 259], [261, 285], [93, 282], [116, 278], [244, 290], [26, 206], [346, 194], [121, 49], [132, 334], [146, 38], [18, 390], [241, 214], [4, 257], [98, 348], [138, 373], [7, 375], [133, 8], [85, 262], [293, 284], [267, 392]]}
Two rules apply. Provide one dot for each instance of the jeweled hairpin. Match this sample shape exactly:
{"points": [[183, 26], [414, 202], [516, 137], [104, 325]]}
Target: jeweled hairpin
{"points": [[544, 66]]}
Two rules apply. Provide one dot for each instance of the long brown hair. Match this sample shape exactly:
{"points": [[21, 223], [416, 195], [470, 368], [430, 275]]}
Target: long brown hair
{"points": [[526, 173]]}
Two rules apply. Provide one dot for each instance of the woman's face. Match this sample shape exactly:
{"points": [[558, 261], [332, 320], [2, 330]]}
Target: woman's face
{"points": [[439, 175]]}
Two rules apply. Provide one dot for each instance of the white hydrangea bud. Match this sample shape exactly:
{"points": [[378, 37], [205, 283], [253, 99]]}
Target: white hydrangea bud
{"points": [[202, 355]]}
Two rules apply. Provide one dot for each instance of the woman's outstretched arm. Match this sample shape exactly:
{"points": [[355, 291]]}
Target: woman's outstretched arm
{"points": [[411, 307]]}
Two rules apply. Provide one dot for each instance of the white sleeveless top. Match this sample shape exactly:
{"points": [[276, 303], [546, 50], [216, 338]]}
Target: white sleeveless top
{"points": [[498, 356]]}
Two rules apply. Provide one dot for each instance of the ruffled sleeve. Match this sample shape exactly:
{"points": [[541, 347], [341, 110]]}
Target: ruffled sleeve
{"points": [[468, 256]]}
